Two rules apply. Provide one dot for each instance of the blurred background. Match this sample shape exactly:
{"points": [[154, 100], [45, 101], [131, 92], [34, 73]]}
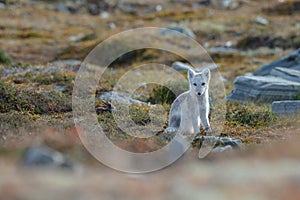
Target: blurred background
{"points": [[42, 44]]}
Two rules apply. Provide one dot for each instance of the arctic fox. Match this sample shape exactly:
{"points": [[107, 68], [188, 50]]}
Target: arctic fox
{"points": [[191, 107]]}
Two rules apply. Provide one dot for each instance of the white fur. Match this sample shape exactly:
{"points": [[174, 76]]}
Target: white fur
{"points": [[191, 108]]}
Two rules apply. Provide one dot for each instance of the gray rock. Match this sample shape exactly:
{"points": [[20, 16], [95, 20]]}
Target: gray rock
{"points": [[218, 141], [286, 73], [291, 61], [153, 9], [66, 62], [112, 25], [262, 21], [200, 4], [180, 29], [104, 15], [93, 9], [127, 8], [44, 156], [286, 107], [225, 4], [72, 7], [263, 88], [225, 50], [61, 88], [2, 5], [62, 8], [222, 149], [114, 96]]}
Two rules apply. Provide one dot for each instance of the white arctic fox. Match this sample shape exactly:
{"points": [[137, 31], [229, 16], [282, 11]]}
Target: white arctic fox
{"points": [[191, 107]]}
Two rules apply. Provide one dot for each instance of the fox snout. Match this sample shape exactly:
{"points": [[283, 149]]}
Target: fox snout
{"points": [[199, 93]]}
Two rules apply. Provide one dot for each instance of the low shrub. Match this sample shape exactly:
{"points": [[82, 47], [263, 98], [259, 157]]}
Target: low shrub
{"points": [[249, 115]]}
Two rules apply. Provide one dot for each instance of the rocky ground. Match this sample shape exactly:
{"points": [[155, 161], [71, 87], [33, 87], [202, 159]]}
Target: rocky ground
{"points": [[42, 44]]}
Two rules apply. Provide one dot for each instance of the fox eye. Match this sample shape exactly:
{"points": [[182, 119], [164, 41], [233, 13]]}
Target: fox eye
{"points": [[195, 84], [203, 84]]}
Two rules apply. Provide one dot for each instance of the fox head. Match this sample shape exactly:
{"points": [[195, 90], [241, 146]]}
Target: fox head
{"points": [[199, 81]]}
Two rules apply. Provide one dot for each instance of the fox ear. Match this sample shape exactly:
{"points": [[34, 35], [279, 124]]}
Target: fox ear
{"points": [[206, 73], [191, 73]]}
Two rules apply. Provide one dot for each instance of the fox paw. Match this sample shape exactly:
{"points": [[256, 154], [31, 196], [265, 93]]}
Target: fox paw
{"points": [[208, 131], [170, 130]]}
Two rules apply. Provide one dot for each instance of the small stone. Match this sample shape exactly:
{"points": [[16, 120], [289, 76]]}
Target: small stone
{"points": [[127, 8], [262, 21], [225, 50], [104, 15], [69, 62], [2, 5], [119, 98], [206, 45], [44, 156], [112, 25], [225, 4], [75, 38], [180, 29], [93, 9], [218, 142], [200, 4], [228, 44], [62, 8], [222, 149], [60, 88], [72, 7], [158, 8]]}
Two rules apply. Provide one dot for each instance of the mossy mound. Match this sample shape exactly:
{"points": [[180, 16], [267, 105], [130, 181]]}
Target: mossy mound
{"points": [[284, 8], [27, 100], [254, 42], [4, 59]]}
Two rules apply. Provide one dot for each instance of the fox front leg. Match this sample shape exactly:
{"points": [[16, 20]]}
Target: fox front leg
{"points": [[205, 121], [196, 125]]}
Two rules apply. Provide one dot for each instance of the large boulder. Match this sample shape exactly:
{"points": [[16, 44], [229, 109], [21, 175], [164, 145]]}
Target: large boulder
{"points": [[286, 73], [286, 107], [291, 61], [263, 88], [279, 80]]}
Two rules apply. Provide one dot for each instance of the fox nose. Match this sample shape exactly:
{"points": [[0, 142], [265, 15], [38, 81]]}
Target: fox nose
{"points": [[199, 93]]}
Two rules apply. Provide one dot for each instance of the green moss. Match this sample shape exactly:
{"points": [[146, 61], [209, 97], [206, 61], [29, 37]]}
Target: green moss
{"points": [[139, 114], [15, 119], [249, 115], [37, 103], [8, 98], [297, 97], [4, 59], [164, 94], [46, 103], [59, 78]]}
